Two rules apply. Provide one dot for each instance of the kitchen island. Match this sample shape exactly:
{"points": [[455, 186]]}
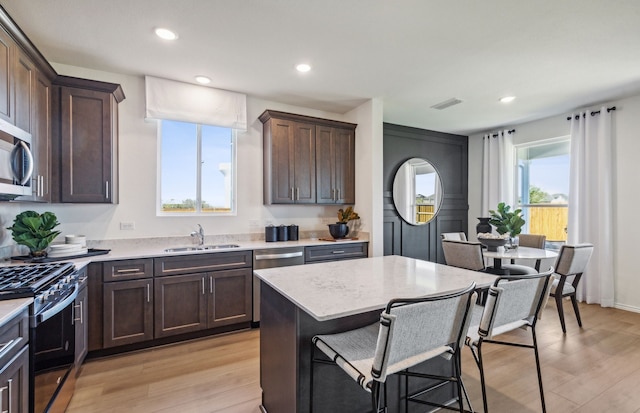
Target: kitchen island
{"points": [[301, 301]]}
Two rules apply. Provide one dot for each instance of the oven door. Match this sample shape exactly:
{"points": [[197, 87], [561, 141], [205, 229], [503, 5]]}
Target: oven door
{"points": [[53, 357]]}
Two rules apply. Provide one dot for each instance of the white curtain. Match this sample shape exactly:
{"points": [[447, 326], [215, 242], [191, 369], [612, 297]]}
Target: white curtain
{"points": [[184, 102], [497, 171], [590, 202]]}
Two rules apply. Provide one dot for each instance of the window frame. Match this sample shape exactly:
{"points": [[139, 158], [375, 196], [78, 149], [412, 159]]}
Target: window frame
{"points": [[234, 181], [519, 178]]}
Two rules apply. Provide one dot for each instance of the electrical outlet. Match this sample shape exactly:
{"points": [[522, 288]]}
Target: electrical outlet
{"points": [[268, 222], [254, 224], [127, 226]]}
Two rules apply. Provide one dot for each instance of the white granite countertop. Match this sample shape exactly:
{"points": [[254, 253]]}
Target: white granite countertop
{"points": [[10, 308], [341, 288], [154, 247]]}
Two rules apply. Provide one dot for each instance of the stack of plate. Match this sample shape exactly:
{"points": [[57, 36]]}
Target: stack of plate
{"points": [[66, 250]]}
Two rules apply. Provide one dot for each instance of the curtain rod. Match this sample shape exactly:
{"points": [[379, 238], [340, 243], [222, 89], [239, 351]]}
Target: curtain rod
{"points": [[495, 135], [593, 113]]}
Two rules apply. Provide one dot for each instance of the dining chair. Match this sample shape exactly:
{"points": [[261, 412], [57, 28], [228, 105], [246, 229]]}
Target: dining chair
{"points": [[410, 331], [532, 241], [570, 265], [463, 254], [455, 236], [514, 301]]}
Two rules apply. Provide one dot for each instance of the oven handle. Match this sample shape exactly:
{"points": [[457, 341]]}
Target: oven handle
{"points": [[44, 316]]}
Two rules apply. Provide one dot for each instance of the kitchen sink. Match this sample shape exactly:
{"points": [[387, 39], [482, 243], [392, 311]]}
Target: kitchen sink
{"points": [[202, 248]]}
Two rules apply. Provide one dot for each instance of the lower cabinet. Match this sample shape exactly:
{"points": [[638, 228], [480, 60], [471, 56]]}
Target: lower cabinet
{"points": [[192, 302], [128, 312], [14, 383], [336, 252], [80, 312]]}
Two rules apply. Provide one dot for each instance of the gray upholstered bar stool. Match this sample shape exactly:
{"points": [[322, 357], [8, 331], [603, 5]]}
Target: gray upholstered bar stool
{"points": [[410, 332], [514, 301]]}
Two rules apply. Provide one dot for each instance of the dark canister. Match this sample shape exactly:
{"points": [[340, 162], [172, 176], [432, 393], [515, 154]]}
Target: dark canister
{"points": [[293, 232], [270, 233], [283, 233]]}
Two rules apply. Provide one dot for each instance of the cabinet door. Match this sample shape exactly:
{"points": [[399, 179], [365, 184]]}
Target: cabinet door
{"points": [[81, 327], [24, 73], [40, 137], [336, 252], [14, 383], [128, 312], [87, 146], [180, 304], [290, 163], [7, 47], [230, 301], [335, 165]]}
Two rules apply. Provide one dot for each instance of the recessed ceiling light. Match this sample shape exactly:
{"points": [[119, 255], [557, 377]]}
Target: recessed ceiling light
{"points": [[203, 79], [166, 34], [507, 99], [303, 67]]}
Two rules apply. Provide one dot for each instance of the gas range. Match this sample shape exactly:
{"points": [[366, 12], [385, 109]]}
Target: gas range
{"points": [[48, 283]]}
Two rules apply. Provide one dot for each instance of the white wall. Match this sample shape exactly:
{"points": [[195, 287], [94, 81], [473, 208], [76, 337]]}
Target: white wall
{"points": [[627, 197], [138, 168]]}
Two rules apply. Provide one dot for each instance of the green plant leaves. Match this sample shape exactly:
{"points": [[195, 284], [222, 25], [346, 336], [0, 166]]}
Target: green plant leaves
{"points": [[506, 221], [34, 230]]}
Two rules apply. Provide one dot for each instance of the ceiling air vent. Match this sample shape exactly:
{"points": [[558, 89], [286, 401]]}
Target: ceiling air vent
{"points": [[446, 103]]}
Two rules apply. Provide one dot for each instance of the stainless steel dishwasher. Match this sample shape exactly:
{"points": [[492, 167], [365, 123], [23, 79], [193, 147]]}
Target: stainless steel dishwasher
{"points": [[272, 258]]}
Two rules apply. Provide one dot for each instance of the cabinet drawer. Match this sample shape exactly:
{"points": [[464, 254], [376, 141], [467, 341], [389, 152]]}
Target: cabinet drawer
{"points": [[127, 269], [13, 336], [335, 252], [189, 264]]}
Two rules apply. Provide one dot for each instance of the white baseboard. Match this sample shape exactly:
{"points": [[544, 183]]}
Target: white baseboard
{"points": [[627, 308]]}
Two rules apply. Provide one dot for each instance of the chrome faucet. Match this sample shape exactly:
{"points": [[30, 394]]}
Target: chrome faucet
{"points": [[199, 234]]}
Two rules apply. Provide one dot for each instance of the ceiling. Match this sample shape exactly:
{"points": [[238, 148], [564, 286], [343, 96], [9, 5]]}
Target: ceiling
{"points": [[554, 56]]}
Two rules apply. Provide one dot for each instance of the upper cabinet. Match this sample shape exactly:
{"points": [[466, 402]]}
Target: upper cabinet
{"points": [[7, 47], [85, 141], [307, 160]]}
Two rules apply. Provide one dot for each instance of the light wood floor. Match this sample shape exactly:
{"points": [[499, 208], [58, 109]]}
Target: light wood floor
{"points": [[594, 369]]}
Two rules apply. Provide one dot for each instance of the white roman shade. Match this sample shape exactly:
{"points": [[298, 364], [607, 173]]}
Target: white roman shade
{"points": [[171, 100]]}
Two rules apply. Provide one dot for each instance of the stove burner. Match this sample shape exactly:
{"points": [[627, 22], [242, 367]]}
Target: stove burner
{"points": [[27, 280]]}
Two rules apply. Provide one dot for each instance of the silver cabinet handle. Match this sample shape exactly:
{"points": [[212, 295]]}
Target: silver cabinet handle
{"points": [[74, 310], [127, 270], [6, 345], [337, 194], [277, 256], [2, 389], [210, 284], [337, 252], [148, 292], [41, 184], [10, 385], [106, 184], [297, 194], [203, 285], [292, 198]]}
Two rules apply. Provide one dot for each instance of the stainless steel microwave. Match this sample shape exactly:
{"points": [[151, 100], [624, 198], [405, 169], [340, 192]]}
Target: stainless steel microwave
{"points": [[16, 162]]}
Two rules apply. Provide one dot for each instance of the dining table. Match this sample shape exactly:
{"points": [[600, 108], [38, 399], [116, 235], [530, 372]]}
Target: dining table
{"points": [[503, 253]]}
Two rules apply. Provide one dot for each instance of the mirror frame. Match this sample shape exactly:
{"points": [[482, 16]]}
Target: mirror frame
{"points": [[407, 173]]}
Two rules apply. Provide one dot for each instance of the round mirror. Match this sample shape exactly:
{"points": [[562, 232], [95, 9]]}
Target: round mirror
{"points": [[417, 191]]}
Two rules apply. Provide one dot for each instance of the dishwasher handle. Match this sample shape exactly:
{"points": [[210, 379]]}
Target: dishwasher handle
{"points": [[278, 256]]}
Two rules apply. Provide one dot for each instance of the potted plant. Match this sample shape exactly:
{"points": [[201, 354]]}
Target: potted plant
{"points": [[507, 221], [340, 229], [35, 231]]}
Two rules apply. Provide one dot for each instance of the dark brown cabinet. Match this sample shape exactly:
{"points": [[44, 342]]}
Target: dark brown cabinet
{"points": [[85, 136], [7, 48], [335, 165], [127, 302], [24, 74], [336, 252], [202, 291], [307, 160], [14, 364], [80, 312]]}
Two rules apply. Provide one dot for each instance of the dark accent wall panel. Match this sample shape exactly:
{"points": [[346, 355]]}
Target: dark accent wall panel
{"points": [[448, 153]]}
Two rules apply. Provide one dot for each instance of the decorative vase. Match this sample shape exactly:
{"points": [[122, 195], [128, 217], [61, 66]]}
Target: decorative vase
{"points": [[483, 226], [511, 244], [338, 230]]}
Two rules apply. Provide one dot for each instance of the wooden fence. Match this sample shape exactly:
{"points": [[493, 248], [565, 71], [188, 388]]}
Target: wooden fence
{"points": [[549, 221]]}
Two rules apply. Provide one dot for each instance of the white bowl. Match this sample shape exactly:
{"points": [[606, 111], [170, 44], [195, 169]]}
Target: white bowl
{"points": [[76, 239]]}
